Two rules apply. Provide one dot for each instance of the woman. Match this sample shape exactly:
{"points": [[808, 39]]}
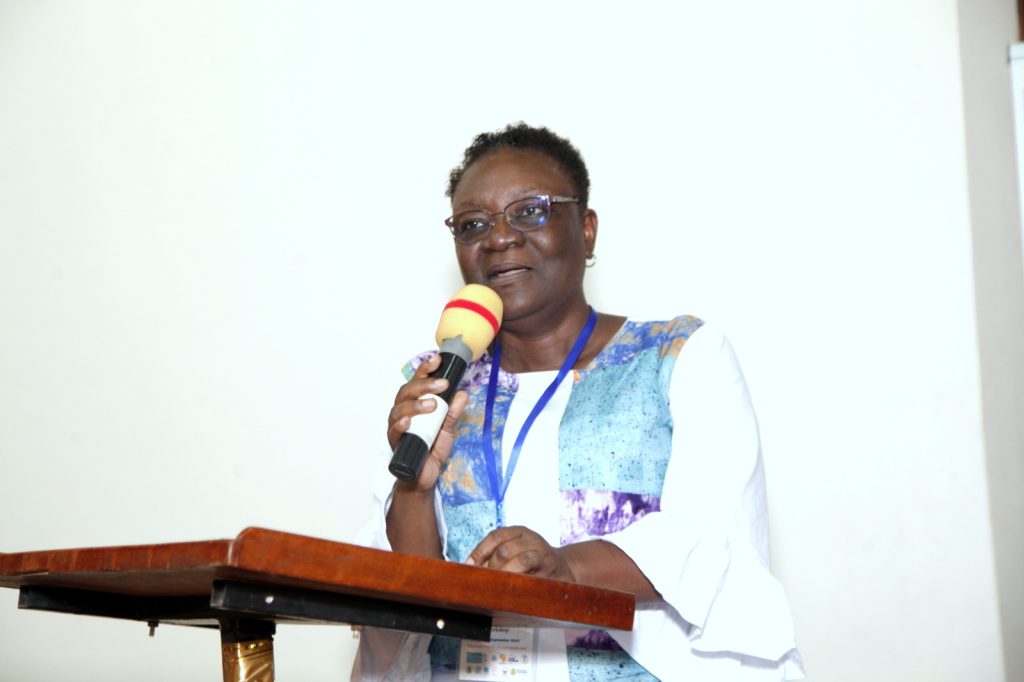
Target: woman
{"points": [[598, 450]]}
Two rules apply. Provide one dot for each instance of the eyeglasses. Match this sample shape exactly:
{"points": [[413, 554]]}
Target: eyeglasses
{"points": [[527, 214]]}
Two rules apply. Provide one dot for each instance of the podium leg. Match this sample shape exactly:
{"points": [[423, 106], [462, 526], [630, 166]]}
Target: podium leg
{"points": [[247, 650]]}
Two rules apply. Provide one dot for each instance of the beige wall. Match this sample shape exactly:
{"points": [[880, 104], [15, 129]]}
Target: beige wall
{"points": [[213, 217], [985, 28]]}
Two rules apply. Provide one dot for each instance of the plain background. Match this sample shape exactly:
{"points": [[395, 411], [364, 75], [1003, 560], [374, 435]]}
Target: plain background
{"points": [[221, 236]]}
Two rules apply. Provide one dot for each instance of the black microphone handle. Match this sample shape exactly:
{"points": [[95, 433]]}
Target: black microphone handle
{"points": [[452, 368], [408, 458]]}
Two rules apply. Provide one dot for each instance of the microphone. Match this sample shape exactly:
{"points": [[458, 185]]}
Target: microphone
{"points": [[468, 324]]}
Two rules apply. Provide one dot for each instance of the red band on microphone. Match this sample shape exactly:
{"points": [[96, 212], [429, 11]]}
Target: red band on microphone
{"points": [[476, 308]]}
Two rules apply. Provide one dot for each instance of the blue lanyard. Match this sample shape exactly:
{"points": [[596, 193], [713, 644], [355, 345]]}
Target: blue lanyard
{"points": [[499, 487]]}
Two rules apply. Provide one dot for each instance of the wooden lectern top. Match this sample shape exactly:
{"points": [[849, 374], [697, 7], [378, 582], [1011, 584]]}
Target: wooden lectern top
{"points": [[273, 558]]}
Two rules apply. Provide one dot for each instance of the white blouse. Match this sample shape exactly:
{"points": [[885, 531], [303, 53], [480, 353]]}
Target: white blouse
{"points": [[724, 616]]}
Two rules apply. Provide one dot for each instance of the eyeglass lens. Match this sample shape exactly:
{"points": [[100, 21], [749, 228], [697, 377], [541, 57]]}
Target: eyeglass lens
{"points": [[526, 214]]}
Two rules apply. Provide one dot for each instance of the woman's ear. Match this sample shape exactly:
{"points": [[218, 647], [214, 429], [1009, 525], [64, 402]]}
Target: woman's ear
{"points": [[589, 231]]}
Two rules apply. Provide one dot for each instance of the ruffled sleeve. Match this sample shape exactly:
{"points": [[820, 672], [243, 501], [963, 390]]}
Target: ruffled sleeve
{"points": [[390, 655], [374, 532], [706, 551]]}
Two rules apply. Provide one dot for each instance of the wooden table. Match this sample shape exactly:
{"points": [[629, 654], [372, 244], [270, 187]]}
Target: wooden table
{"points": [[246, 585]]}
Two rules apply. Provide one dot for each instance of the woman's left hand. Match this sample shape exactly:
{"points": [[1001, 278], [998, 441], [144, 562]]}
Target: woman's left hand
{"points": [[520, 550]]}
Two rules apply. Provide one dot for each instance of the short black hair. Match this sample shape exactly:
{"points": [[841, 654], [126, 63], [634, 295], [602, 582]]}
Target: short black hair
{"points": [[522, 136]]}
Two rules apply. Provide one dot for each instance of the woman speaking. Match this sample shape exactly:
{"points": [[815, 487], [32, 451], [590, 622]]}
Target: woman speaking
{"points": [[586, 447]]}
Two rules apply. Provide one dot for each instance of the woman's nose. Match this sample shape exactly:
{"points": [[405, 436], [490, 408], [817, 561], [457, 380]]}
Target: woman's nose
{"points": [[502, 234]]}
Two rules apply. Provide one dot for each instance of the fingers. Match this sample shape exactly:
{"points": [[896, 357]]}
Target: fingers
{"points": [[442, 443], [459, 402], [401, 416], [407, 401], [484, 553], [409, 404], [421, 382], [520, 550], [514, 548]]}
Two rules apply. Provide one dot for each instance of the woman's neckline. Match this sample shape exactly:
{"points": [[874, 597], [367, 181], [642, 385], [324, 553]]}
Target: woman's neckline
{"points": [[612, 340]]}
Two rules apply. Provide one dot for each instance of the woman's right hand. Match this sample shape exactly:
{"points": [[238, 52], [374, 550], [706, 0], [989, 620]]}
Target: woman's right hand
{"points": [[408, 404]]}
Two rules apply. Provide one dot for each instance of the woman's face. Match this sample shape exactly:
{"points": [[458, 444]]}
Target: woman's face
{"points": [[539, 272]]}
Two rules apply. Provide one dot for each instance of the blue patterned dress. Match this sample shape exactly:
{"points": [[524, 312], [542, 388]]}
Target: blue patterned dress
{"points": [[614, 445]]}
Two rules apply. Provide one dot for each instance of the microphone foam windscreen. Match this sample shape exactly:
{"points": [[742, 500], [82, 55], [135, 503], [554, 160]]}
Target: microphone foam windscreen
{"points": [[474, 313]]}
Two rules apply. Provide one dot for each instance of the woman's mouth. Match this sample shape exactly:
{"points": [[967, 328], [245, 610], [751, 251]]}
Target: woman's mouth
{"points": [[506, 271]]}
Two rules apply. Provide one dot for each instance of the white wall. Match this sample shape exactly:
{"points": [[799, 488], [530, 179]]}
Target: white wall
{"points": [[217, 222]]}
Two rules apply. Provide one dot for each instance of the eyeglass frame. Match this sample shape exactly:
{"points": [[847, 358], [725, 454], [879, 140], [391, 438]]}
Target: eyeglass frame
{"points": [[550, 199]]}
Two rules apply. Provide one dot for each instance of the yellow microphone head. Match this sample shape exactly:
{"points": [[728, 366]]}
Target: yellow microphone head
{"points": [[474, 314]]}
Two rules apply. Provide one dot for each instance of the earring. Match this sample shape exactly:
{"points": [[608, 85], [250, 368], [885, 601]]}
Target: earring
{"points": [[591, 261]]}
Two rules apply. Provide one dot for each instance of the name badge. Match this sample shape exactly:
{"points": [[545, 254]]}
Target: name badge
{"points": [[511, 654]]}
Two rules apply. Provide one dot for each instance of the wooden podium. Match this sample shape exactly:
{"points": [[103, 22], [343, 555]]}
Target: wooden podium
{"points": [[247, 585]]}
